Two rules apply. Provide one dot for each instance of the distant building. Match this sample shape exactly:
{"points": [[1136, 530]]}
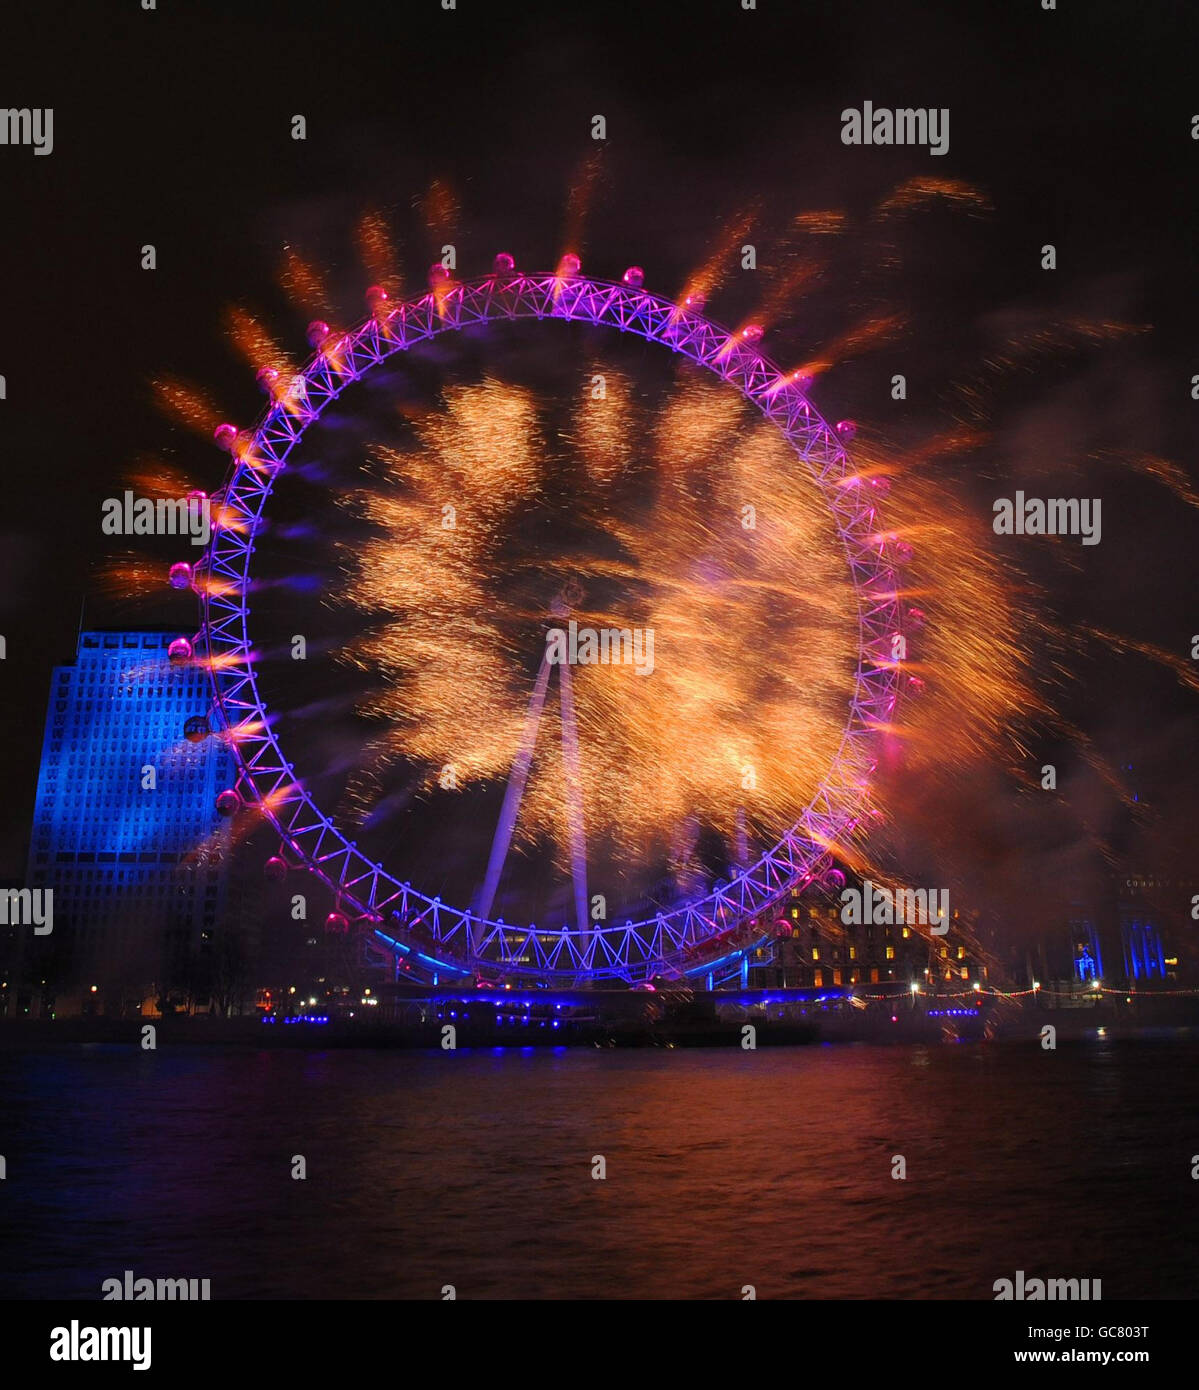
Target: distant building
{"points": [[1085, 946], [813, 948], [1125, 931], [1150, 909], [125, 827]]}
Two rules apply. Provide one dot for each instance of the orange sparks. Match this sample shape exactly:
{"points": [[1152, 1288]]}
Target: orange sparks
{"points": [[188, 405], [303, 284], [377, 250], [255, 344]]}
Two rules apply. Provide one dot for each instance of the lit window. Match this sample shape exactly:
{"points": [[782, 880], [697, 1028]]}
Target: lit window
{"points": [[890, 952]]}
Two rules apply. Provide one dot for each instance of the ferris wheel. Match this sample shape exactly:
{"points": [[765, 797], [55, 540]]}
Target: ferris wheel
{"points": [[436, 941]]}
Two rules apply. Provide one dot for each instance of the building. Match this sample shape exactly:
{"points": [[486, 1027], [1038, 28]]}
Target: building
{"points": [[813, 948], [1128, 930], [125, 829], [1085, 945]]}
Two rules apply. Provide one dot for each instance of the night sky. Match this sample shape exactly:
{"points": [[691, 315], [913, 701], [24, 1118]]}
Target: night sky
{"points": [[172, 127]]}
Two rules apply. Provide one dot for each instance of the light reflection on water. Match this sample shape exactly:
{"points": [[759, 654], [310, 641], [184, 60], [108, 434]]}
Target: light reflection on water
{"points": [[724, 1168]]}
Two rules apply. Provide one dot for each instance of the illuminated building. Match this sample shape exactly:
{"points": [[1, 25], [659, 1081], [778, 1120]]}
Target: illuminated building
{"points": [[125, 827], [1086, 949], [815, 949]]}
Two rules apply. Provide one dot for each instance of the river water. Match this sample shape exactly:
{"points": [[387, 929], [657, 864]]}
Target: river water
{"points": [[723, 1169]]}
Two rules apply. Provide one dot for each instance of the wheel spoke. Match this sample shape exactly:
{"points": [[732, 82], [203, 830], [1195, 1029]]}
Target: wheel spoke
{"points": [[513, 793]]}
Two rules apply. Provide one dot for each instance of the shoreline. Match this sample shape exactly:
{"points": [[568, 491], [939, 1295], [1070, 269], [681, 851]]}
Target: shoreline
{"points": [[495, 1029]]}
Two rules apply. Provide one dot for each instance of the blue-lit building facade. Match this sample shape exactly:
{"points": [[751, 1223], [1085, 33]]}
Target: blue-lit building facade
{"points": [[125, 828], [1132, 938]]}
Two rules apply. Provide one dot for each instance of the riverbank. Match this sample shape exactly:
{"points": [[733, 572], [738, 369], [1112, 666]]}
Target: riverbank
{"points": [[624, 1020]]}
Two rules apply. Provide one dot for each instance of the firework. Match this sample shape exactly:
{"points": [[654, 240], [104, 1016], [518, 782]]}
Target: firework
{"points": [[506, 513], [754, 623]]}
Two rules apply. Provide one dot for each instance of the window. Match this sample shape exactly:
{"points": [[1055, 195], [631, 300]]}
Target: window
{"points": [[890, 952]]}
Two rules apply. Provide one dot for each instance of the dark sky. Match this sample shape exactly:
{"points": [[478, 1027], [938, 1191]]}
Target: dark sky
{"points": [[172, 127]]}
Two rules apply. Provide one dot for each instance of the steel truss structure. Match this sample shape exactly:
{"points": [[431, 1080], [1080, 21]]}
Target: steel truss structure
{"points": [[433, 939]]}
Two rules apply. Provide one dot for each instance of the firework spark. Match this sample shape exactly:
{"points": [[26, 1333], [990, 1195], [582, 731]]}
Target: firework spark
{"points": [[714, 539], [255, 344], [188, 405], [303, 283], [376, 247]]}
